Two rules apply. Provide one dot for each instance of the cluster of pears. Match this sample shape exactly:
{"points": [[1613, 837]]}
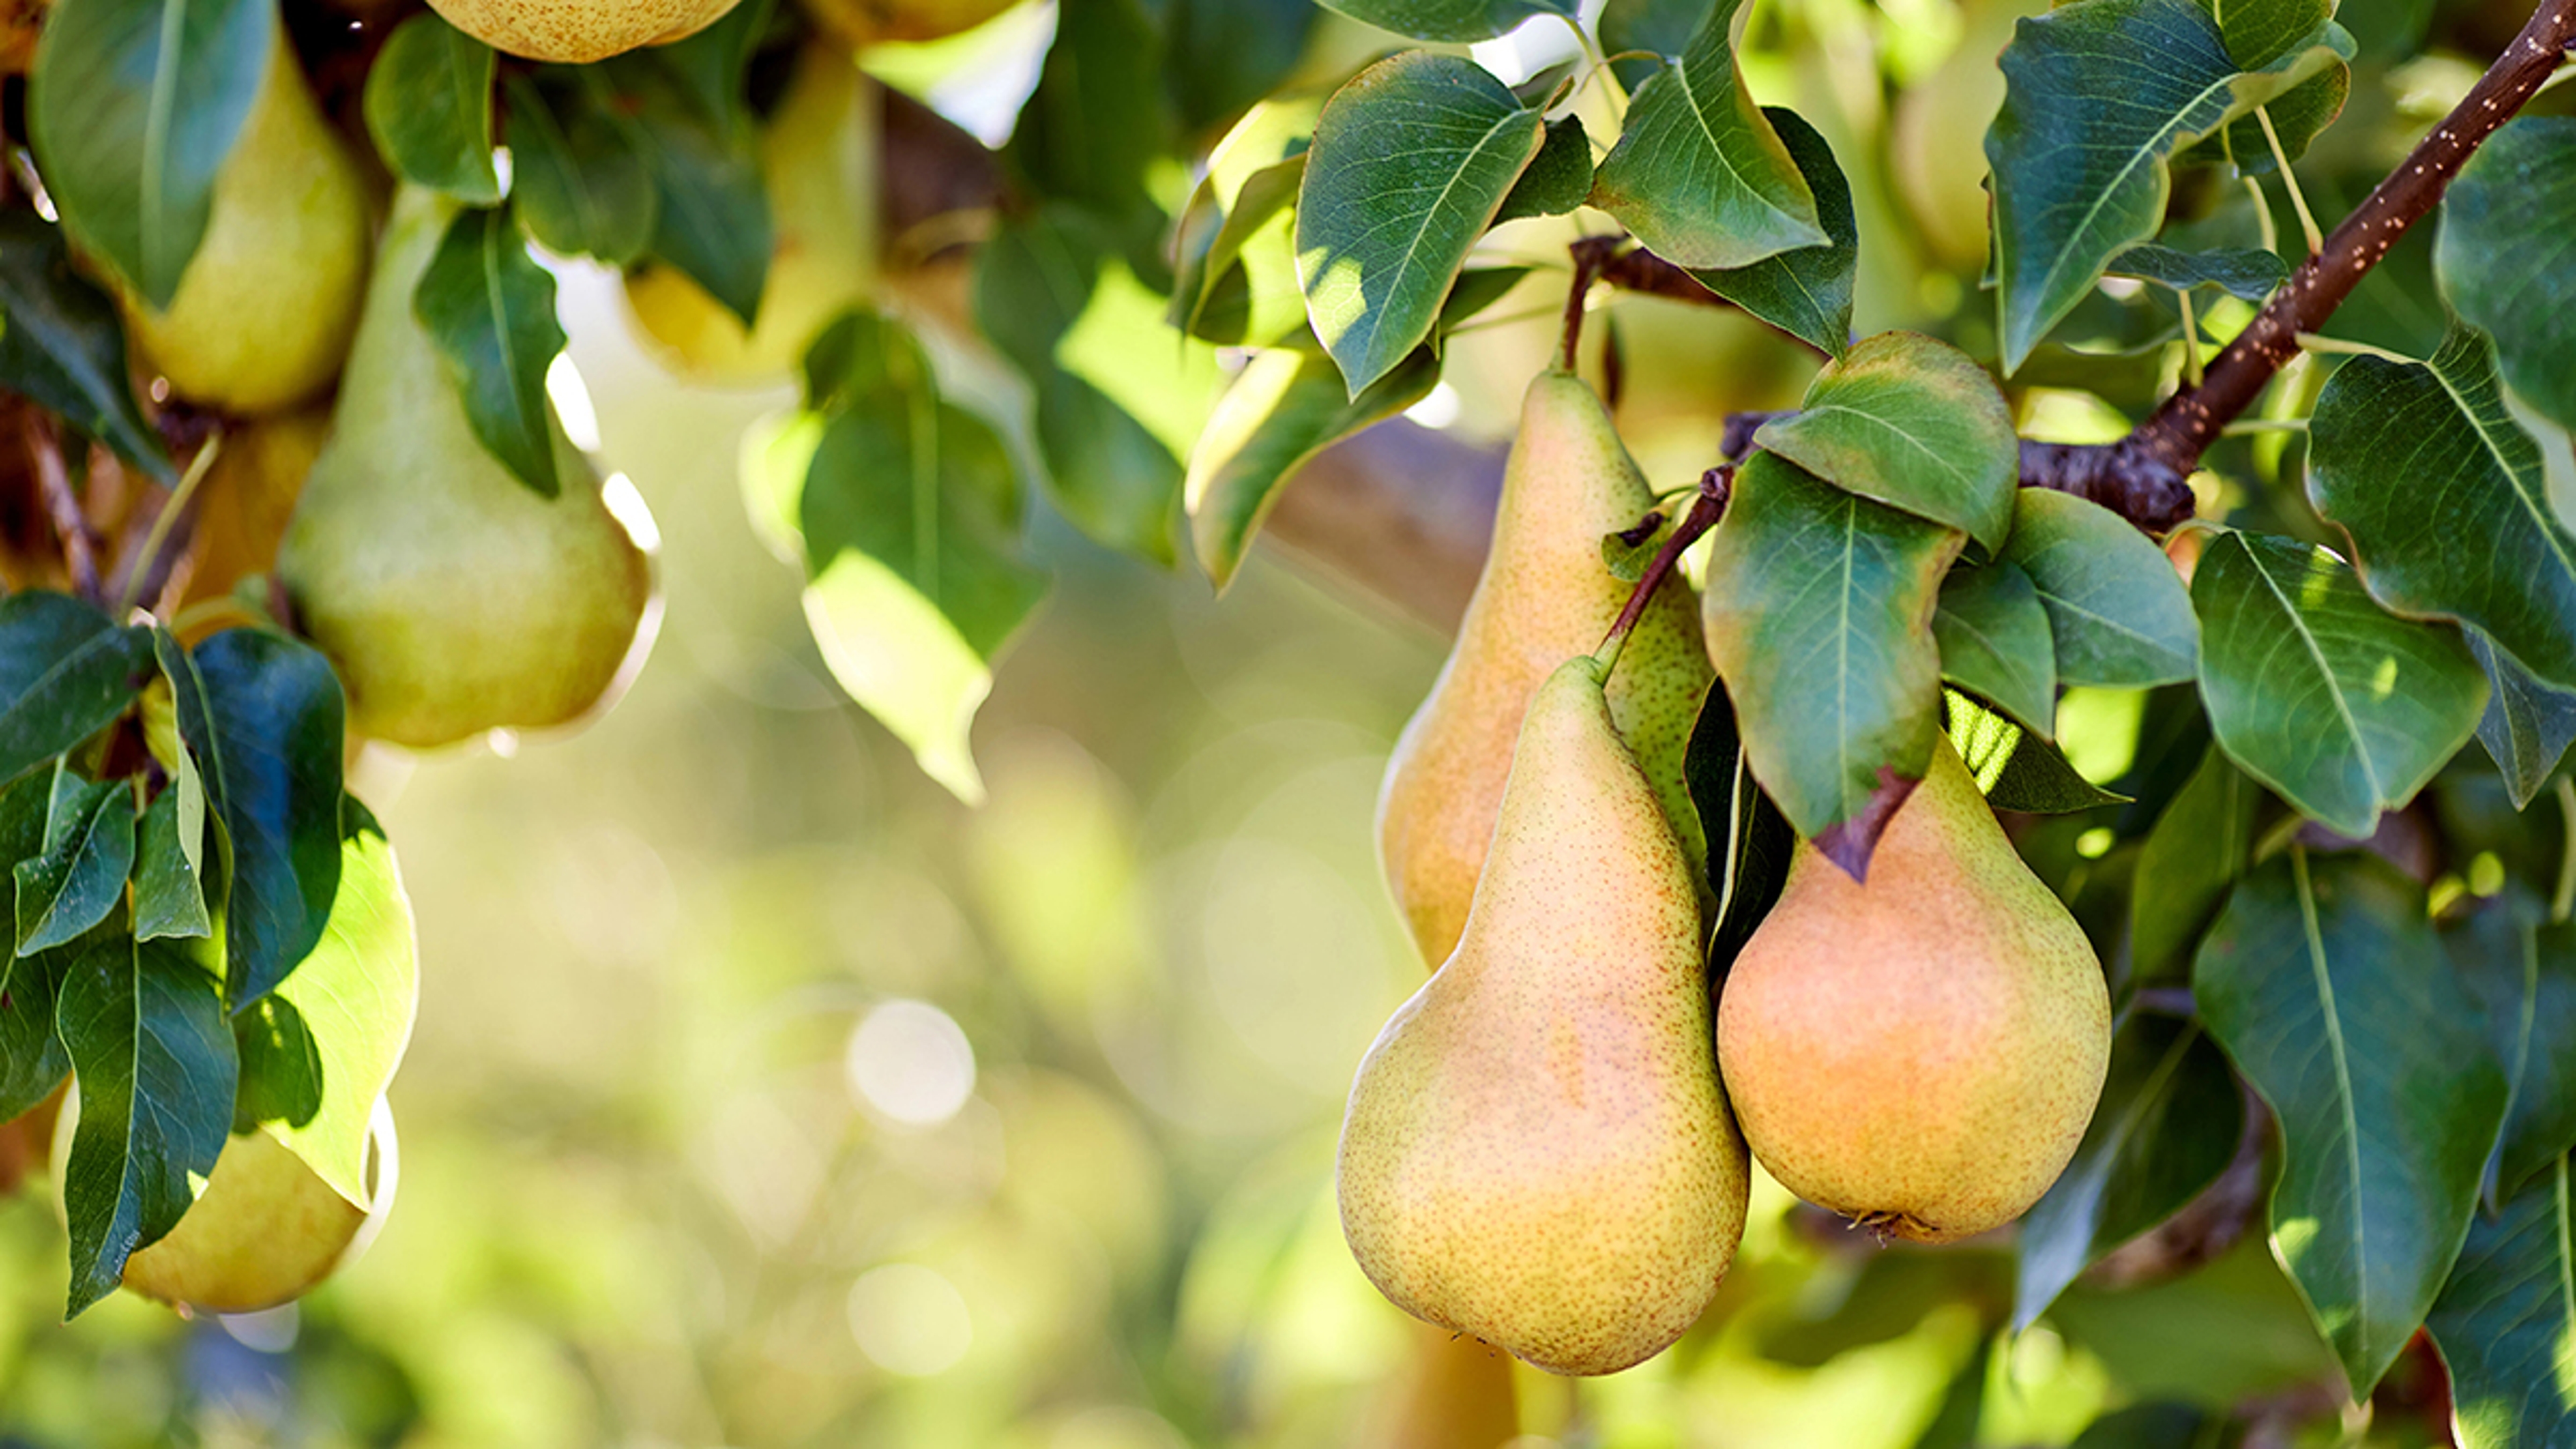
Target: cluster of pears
{"points": [[1548, 1147]]}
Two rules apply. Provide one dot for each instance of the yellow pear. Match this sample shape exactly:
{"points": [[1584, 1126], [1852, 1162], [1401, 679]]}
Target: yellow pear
{"points": [[1937, 136], [866, 22], [1536, 1151], [1544, 594], [451, 598], [576, 32], [818, 159], [265, 1230], [249, 495], [265, 308], [1451, 1392], [1921, 1053]]}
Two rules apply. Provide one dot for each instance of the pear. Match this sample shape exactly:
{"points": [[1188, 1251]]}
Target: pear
{"points": [[818, 161], [1536, 1150], [868, 22], [451, 598], [1451, 1393], [249, 495], [576, 32], [264, 311], [1937, 136], [1921, 1053], [1544, 594]]}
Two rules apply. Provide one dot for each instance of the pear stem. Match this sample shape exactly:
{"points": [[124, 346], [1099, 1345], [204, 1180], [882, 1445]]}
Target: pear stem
{"points": [[162, 522], [1714, 486]]}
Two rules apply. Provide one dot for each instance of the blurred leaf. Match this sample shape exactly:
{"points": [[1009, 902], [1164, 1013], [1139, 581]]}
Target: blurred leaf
{"points": [[1662, 26], [1805, 291], [2116, 608], [711, 209], [2324, 982], [2166, 1127], [1283, 409], [2527, 724], [2506, 1323], [578, 181], [1559, 176], [2193, 853], [2506, 255], [66, 671], [169, 898], [1099, 116], [62, 343], [1449, 20], [491, 311], [1224, 55], [429, 107], [2246, 273], [80, 877], [2147, 1426], [1410, 161], [1915, 424], [1228, 213], [712, 65], [2342, 708], [1956, 1418], [2017, 770], [32, 1062], [1882, 1297], [2076, 181], [1750, 842], [133, 106], [2521, 967], [1252, 296], [1994, 642], [145, 1028], [1698, 173], [1819, 618], [262, 714]]}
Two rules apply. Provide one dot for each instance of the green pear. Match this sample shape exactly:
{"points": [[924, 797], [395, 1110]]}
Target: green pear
{"points": [[818, 161], [577, 32], [1937, 136], [264, 311], [1536, 1150], [1920, 1053], [451, 598], [1544, 594]]}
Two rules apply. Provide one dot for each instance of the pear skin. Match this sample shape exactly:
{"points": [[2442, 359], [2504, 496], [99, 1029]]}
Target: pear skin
{"points": [[1545, 594], [577, 32], [1536, 1150], [1921, 1053], [264, 312], [451, 598]]}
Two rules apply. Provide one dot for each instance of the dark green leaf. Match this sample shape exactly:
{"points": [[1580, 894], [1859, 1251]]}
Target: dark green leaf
{"points": [[429, 106], [1410, 161], [1750, 842], [1698, 174], [66, 672], [1558, 178], [2386, 437], [1994, 640], [2297, 115], [2521, 966], [2194, 852], [2116, 608], [2324, 982], [578, 183], [80, 878], [2243, 272], [2148, 1426], [2344, 709], [1955, 1420], [1223, 55], [1915, 424], [63, 345], [2166, 1127], [1820, 620], [2507, 255], [2506, 1323], [262, 716], [134, 106], [1100, 115], [169, 897], [711, 209], [1806, 291], [1449, 20], [2016, 769], [1664, 27], [712, 65], [145, 1028], [2527, 725], [490, 309], [32, 1063]]}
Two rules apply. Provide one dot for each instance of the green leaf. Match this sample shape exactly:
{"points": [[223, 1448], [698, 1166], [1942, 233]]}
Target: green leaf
{"points": [[317, 1054], [1806, 291], [578, 182], [2166, 1425], [429, 106], [1558, 178], [2527, 724], [80, 877], [1750, 842], [2078, 180], [1223, 55], [145, 1028], [2192, 854], [32, 1063], [1915, 424], [2324, 982], [134, 106], [2116, 608], [1284, 408], [262, 716], [1099, 117], [490, 309], [2506, 1323], [1252, 295], [2247, 273], [1457, 21], [63, 345], [711, 208], [2298, 115], [1410, 161], [66, 671], [2344, 709], [2506, 256], [1994, 642], [1698, 174], [1820, 620], [713, 66], [2167, 1126], [169, 897], [2018, 770], [2521, 966]]}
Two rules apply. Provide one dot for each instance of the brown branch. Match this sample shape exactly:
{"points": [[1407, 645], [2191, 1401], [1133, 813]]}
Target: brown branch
{"points": [[44, 446], [1714, 486]]}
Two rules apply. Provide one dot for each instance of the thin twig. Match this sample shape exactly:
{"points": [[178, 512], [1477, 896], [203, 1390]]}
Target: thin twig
{"points": [[1714, 487], [139, 577], [44, 444]]}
